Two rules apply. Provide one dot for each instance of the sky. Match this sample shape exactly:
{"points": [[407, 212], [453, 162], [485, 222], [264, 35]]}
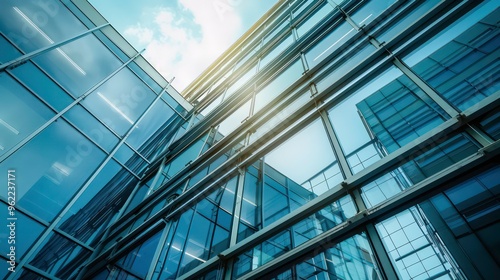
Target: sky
{"points": [[182, 37]]}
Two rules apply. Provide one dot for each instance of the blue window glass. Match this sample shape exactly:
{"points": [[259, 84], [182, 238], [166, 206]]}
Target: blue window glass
{"points": [[314, 19], [120, 101], [61, 160], [95, 130], [448, 152], [9, 52], [151, 123], [399, 112], [345, 63], [79, 65], [170, 257], [21, 113], [35, 24], [198, 243], [411, 249], [26, 232], [275, 51], [491, 124], [139, 259], [274, 88], [85, 219], [330, 43], [369, 11], [409, 19], [42, 85], [461, 62], [57, 255]]}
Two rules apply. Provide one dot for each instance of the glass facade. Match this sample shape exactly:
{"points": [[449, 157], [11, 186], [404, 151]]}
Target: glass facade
{"points": [[337, 140]]}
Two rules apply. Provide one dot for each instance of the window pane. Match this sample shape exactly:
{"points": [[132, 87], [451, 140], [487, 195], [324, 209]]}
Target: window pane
{"points": [[58, 256], [461, 62], [35, 24], [26, 232], [21, 113], [60, 160], [369, 11], [278, 85], [79, 65], [151, 123], [120, 101], [314, 19], [331, 42], [139, 259], [42, 85], [413, 249]]}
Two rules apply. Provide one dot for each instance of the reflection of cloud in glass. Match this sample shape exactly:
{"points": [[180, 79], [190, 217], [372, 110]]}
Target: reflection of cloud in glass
{"points": [[303, 155]]}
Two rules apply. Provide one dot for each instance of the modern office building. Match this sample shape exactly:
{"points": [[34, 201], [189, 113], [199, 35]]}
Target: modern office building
{"points": [[334, 140]]}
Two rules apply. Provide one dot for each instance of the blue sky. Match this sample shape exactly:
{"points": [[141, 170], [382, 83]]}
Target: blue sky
{"points": [[182, 37]]}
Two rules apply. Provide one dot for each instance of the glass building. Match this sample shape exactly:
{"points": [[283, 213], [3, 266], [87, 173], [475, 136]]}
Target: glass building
{"points": [[334, 140]]}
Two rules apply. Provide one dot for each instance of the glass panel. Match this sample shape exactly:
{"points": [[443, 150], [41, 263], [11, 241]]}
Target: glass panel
{"points": [[399, 112], [281, 116], [9, 52], [348, 60], [91, 213], [301, 7], [79, 65], [42, 85], [276, 87], [139, 259], [461, 62], [451, 150], [35, 24], [234, 120], [120, 101], [184, 158], [199, 234], [370, 10], [240, 82], [314, 19], [407, 20], [59, 256], [268, 195], [414, 247], [491, 124], [60, 159], [303, 231], [20, 113], [280, 26], [95, 130], [158, 117], [21, 234], [330, 43], [145, 77], [275, 51], [350, 259], [312, 153]]}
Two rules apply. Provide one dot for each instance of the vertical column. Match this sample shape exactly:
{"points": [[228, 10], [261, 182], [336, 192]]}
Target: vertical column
{"points": [[385, 265], [344, 166], [236, 219], [449, 240]]}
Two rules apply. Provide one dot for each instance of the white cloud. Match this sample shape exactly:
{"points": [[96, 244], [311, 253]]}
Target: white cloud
{"points": [[143, 35], [183, 46]]}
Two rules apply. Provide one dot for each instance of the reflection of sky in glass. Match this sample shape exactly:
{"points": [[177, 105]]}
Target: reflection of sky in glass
{"points": [[304, 154], [346, 121], [450, 33], [235, 119]]}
